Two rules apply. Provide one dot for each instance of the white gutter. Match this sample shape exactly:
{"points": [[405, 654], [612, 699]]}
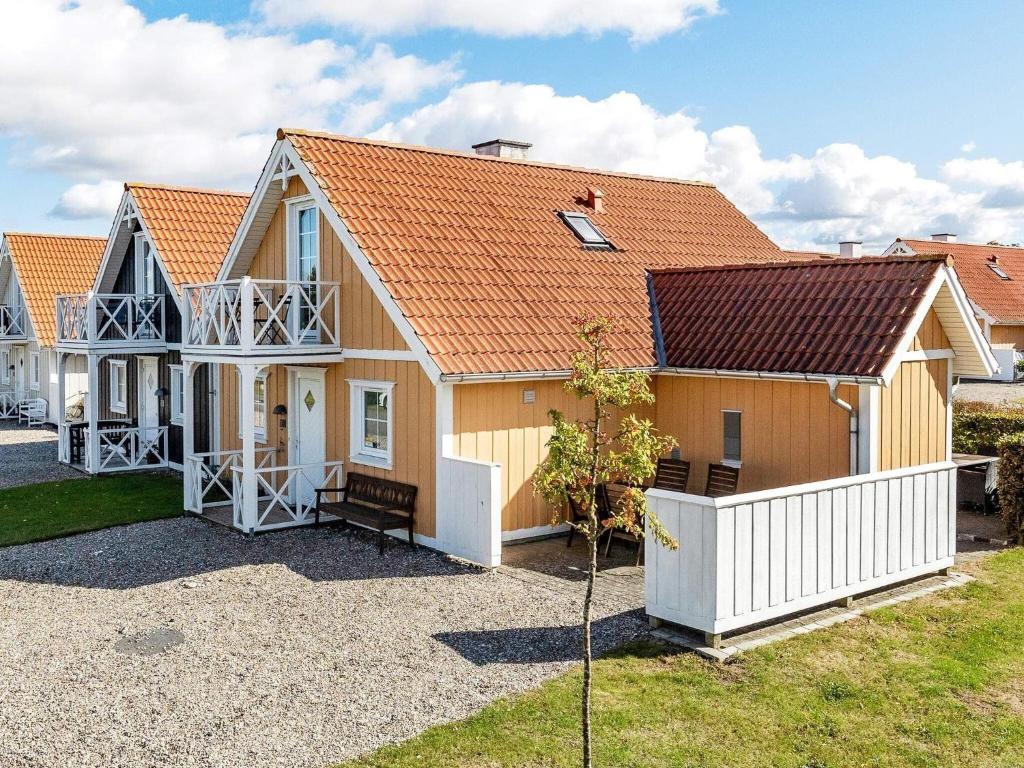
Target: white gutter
{"points": [[824, 378], [854, 426], [468, 378]]}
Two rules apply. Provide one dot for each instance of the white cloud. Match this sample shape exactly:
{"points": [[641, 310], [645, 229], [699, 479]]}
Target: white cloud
{"points": [[801, 201], [89, 201], [92, 91], [643, 20], [969, 147]]}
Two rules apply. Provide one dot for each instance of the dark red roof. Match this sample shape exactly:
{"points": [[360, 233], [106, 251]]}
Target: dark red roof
{"points": [[842, 317]]}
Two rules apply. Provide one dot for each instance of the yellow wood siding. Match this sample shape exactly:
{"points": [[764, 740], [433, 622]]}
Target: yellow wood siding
{"points": [[364, 323], [930, 335], [413, 425], [912, 416], [1008, 334], [790, 431]]}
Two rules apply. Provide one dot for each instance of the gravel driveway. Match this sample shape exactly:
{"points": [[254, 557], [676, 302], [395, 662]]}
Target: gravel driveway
{"points": [[990, 392], [177, 643], [28, 455]]}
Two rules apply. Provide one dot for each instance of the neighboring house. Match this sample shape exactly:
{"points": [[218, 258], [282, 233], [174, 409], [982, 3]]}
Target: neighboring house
{"points": [[33, 270], [126, 331], [414, 311], [993, 277], [848, 249]]}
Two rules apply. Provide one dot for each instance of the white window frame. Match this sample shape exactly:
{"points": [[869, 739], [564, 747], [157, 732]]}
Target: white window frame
{"points": [[358, 453], [177, 392], [727, 461], [34, 371], [141, 246], [118, 404], [260, 435], [294, 207], [5, 362]]}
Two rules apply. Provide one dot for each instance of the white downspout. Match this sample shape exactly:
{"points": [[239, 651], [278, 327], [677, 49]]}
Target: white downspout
{"points": [[833, 385]]}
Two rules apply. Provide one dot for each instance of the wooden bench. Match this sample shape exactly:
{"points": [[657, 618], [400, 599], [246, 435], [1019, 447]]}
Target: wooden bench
{"points": [[371, 501]]}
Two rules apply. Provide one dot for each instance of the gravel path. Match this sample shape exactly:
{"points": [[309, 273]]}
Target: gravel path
{"points": [[28, 455], [988, 392], [177, 643]]}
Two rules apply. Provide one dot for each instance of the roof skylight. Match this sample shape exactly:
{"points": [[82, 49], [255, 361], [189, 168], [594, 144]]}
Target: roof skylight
{"points": [[585, 230], [999, 271]]}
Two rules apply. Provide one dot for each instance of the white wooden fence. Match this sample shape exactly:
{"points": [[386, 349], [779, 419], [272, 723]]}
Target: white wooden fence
{"points": [[754, 557], [469, 510]]}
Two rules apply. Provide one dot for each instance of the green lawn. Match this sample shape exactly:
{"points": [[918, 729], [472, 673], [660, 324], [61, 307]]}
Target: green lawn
{"points": [[49, 510], [935, 682]]}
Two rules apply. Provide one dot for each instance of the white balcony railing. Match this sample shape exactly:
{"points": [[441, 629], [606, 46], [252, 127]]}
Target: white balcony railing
{"points": [[755, 557], [8, 405], [12, 321], [208, 477], [286, 495], [110, 319], [250, 316], [126, 448]]}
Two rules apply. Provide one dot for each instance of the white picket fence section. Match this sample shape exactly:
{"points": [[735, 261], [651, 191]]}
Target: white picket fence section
{"points": [[750, 558], [469, 510]]}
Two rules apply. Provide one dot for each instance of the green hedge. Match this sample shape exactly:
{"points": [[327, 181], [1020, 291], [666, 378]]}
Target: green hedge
{"points": [[1010, 482], [978, 427]]}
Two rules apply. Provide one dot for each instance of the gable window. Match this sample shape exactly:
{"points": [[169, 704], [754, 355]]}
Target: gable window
{"points": [[119, 386], [371, 421], [304, 266], [33, 371], [259, 408], [145, 266], [732, 452], [177, 394], [585, 230]]}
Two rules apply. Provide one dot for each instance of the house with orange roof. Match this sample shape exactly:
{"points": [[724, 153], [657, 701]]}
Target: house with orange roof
{"points": [[124, 329], [33, 270], [993, 277], [405, 316]]}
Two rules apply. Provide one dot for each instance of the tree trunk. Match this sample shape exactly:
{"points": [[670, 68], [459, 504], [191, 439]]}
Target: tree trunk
{"points": [[587, 674]]}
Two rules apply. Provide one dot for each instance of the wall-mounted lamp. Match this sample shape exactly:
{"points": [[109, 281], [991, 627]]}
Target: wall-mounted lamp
{"points": [[282, 411], [162, 392]]}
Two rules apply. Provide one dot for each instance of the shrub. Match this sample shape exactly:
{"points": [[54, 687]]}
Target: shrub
{"points": [[978, 427], [1010, 481]]}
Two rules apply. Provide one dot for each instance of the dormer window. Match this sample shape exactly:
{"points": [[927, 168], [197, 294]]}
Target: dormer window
{"points": [[999, 271], [585, 230]]}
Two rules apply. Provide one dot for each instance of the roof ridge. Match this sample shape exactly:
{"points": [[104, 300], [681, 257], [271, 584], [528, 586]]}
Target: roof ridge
{"points": [[283, 133], [796, 264], [969, 245], [54, 234], [129, 185]]}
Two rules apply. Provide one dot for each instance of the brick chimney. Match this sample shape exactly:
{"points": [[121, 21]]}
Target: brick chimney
{"points": [[944, 237], [595, 199], [850, 249], [517, 150]]}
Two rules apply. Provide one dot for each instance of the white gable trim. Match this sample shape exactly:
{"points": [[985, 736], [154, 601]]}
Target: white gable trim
{"points": [[944, 277], [277, 169], [126, 212], [30, 326]]}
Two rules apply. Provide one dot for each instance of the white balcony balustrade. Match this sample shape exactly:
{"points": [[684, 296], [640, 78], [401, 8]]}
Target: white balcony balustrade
{"points": [[208, 481], [12, 321], [262, 317], [286, 496], [8, 405], [111, 320], [120, 449]]}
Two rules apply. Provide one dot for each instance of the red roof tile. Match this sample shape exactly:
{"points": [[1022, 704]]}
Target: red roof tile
{"points": [[1001, 299], [49, 265], [841, 317], [491, 280], [191, 228]]}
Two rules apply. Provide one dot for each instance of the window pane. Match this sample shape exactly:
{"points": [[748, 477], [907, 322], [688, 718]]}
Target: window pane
{"points": [[585, 229], [731, 431]]}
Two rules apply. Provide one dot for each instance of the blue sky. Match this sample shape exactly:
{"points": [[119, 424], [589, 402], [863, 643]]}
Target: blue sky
{"points": [[840, 119]]}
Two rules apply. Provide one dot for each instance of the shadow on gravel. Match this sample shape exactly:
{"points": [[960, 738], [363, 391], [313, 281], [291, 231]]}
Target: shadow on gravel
{"points": [[131, 556], [535, 645]]}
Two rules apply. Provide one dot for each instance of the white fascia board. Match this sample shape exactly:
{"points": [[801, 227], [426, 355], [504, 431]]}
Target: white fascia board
{"points": [[110, 248], [963, 304], [923, 305]]}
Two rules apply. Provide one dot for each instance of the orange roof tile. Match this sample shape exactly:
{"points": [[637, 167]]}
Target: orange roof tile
{"points": [[49, 265], [1001, 299], [491, 280], [191, 228]]}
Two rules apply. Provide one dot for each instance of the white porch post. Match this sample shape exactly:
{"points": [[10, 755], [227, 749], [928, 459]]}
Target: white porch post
{"points": [[92, 460], [60, 410], [247, 404], [188, 369], [867, 425]]}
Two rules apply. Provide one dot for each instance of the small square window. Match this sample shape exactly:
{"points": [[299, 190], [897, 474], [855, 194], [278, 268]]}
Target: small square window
{"points": [[119, 386], [585, 230], [731, 431], [371, 420]]}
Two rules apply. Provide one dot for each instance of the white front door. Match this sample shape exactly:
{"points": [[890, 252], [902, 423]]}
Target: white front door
{"points": [[309, 449], [19, 373], [149, 404]]}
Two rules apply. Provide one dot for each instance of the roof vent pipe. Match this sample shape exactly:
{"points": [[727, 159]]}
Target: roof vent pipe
{"points": [[850, 249], [515, 150], [944, 237]]}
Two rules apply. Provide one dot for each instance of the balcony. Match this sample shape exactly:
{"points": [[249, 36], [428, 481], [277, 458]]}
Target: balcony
{"points": [[262, 318], [12, 322], [111, 321]]}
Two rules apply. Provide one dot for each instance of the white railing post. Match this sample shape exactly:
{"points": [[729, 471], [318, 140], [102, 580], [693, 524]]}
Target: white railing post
{"points": [[249, 502], [90, 311], [93, 444], [187, 427], [61, 405], [247, 332]]}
